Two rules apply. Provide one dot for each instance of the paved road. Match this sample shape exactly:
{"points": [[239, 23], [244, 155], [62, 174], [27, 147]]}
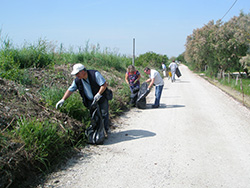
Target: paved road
{"points": [[199, 137]]}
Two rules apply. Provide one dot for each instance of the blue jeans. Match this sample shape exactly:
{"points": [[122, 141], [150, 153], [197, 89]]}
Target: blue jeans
{"points": [[158, 91]]}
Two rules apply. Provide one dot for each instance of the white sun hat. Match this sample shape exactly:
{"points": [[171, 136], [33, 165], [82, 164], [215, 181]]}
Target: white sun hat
{"points": [[77, 68]]}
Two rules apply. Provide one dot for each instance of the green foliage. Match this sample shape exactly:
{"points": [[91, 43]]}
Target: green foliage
{"points": [[151, 59], [43, 140], [10, 70], [218, 46], [37, 55], [72, 106], [238, 85]]}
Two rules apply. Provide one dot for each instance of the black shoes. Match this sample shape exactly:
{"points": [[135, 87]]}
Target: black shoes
{"points": [[155, 106]]}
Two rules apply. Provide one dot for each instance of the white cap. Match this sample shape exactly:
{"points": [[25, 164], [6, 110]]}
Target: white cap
{"points": [[77, 68]]}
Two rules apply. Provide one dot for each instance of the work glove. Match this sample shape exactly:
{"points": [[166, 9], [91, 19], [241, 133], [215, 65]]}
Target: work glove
{"points": [[97, 97], [59, 103]]}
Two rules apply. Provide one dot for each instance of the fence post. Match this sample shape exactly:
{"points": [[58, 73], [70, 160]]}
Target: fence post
{"points": [[241, 87]]}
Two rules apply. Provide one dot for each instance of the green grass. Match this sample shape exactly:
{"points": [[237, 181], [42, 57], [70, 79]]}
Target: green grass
{"points": [[43, 140], [243, 85]]}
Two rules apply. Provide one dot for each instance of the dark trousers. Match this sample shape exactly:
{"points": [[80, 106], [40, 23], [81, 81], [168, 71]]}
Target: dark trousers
{"points": [[104, 107]]}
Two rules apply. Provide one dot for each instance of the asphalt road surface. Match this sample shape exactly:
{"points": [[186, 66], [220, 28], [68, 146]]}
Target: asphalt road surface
{"points": [[198, 138]]}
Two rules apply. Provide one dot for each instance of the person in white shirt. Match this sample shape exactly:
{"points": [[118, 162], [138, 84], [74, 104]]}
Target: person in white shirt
{"points": [[155, 79], [164, 68], [173, 66]]}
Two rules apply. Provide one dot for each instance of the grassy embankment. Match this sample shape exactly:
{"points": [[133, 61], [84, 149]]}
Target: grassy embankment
{"points": [[34, 135]]}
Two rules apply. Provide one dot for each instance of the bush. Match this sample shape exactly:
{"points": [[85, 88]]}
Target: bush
{"points": [[43, 140]]}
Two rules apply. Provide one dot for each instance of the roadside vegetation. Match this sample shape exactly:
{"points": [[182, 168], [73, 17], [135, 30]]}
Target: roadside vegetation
{"points": [[222, 51], [35, 137]]}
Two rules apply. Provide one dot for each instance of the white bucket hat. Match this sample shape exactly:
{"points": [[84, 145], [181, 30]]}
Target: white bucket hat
{"points": [[77, 68]]}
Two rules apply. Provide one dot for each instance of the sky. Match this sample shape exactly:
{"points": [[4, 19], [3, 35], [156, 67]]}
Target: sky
{"points": [[159, 26]]}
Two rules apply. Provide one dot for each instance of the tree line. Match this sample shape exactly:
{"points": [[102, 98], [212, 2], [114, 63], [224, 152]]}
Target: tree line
{"points": [[220, 47]]}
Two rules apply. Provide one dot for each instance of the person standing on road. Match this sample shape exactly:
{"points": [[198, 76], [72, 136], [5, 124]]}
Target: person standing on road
{"points": [[164, 69], [92, 88], [132, 77], [173, 66], [155, 79]]}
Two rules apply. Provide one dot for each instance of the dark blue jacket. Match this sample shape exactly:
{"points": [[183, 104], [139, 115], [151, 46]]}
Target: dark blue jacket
{"points": [[94, 87]]}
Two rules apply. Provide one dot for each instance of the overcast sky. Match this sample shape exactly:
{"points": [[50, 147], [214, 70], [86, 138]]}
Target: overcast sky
{"points": [[160, 26]]}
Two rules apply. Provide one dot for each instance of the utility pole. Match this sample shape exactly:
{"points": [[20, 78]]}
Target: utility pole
{"points": [[133, 61]]}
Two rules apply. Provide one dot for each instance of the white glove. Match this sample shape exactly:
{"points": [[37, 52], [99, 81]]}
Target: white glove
{"points": [[97, 97], [59, 103]]}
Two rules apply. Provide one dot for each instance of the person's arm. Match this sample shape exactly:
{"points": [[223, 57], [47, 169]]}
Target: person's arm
{"points": [[67, 94], [148, 80], [139, 76], [126, 78], [151, 83], [102, 88]]}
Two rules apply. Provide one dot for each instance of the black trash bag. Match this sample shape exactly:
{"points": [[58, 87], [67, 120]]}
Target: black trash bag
{"points": [[178, 72], [133, 96], [141, 98], [95, 132]]}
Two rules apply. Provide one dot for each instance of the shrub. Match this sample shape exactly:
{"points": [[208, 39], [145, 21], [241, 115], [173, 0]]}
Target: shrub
{"points": [[43, 140]]}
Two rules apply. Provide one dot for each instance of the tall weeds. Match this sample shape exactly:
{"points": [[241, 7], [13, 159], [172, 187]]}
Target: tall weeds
{"points": [[43, 140]]}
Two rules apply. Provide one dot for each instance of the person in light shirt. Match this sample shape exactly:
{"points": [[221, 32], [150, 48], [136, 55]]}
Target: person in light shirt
{"points": [[155, 79], [173, 66], [92, 88]]}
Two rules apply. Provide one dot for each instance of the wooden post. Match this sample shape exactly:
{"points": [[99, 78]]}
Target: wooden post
{"points": [[133, 62], [241, 86]]}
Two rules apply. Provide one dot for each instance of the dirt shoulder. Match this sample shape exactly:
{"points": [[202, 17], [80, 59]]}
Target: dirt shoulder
{"points": [[245, 100]]}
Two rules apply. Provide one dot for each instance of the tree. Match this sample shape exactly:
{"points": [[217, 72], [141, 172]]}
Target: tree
{"points": [[151, 59]]}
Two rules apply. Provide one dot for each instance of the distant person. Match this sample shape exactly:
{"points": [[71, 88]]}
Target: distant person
{"points": [[132, 77], [155, 79], [164, 69], [173, 66], [92, 87]]}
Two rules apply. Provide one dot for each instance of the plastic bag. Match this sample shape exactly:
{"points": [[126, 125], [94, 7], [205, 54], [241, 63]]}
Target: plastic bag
{"points": [[95, 132]]}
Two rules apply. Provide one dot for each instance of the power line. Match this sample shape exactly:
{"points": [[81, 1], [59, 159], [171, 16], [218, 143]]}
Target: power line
{"points": [[229, 9]]}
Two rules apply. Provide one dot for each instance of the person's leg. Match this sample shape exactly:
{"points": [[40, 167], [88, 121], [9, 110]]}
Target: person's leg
{"points": [[104, 107], [173, 76], [158, 91]]}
